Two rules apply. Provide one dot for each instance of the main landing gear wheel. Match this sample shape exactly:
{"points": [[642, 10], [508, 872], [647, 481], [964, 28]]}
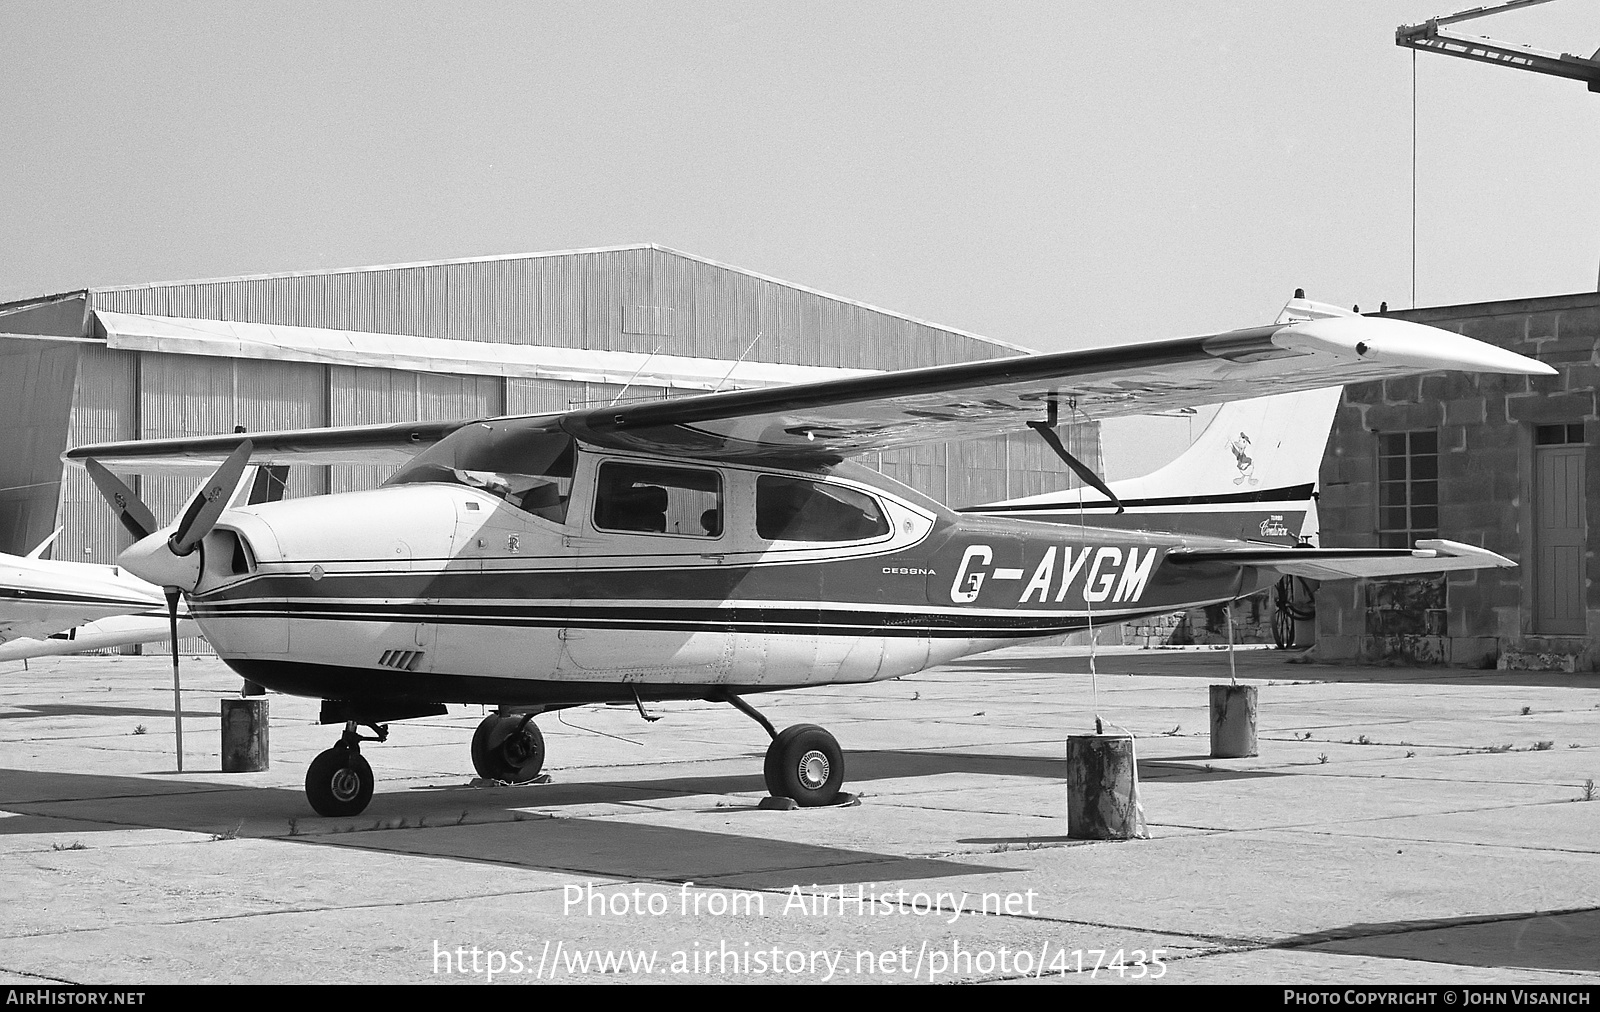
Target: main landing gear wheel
{"points": [[339, 782], [1282, 628], [508, 748], [805, 763]]}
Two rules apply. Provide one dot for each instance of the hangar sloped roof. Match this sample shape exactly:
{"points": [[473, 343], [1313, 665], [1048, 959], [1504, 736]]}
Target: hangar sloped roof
{"points": [[509, 258]]}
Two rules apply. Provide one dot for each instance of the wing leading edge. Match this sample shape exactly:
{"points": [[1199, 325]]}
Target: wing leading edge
{"points": [[351, 444], [842, 418]]}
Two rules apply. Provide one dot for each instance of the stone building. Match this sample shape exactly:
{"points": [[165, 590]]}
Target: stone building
{"points": [[1502, 462]]}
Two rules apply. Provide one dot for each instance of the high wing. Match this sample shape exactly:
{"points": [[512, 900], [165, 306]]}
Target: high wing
{"points": [[1310, 346], [846, 417], [353, 444]]}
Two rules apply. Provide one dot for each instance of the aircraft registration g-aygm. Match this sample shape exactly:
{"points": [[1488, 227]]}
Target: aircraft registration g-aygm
{"points": [[715, 546]]}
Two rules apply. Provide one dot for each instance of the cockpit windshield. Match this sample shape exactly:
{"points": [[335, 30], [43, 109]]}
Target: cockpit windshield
{"points": [[529, 468]]}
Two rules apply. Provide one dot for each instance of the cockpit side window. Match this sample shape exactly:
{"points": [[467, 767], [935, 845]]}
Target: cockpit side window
{"points": [[646, 499], [795, 509], [529, 468]]}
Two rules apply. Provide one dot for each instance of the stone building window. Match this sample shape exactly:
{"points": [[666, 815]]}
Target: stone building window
{"points": [[1558, 435], [1408, 488]]}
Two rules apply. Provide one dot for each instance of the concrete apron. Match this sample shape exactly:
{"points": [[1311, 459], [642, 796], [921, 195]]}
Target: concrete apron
{"points": [[1389, 832]]}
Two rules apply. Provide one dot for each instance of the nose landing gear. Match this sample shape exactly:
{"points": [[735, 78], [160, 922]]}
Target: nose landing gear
{"points": [[339, 781]]}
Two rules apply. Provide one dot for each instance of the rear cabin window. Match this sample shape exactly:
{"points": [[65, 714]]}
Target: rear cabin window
{"points": [[646, 499], [794, 509]]}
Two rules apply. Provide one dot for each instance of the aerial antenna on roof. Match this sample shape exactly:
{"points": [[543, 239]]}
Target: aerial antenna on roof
{"points": [[737, 364], [635, 375]]}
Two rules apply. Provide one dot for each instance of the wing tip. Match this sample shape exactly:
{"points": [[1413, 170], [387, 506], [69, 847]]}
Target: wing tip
{"points": [[1414, 346], [1456, 549]]}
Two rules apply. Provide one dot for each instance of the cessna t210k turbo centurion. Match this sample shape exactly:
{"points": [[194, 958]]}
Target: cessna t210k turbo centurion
{"points": [[714, 546]]}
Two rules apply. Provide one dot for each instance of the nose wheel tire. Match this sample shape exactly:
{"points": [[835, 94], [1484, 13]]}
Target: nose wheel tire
{"points": [[339, 782], [507, 748], [805, 763]]}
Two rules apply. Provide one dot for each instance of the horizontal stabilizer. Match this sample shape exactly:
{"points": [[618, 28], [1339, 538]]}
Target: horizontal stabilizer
{"points": [[1434, 556]]}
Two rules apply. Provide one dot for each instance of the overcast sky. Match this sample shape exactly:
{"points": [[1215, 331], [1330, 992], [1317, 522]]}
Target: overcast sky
{"points": [[1053, 175]]}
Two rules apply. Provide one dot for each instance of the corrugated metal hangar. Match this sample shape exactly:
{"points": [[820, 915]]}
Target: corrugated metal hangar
{"points": [[465, 338]]}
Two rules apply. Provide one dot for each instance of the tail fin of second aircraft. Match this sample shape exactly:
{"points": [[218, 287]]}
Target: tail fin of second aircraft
{"points": [[39, 550], [1251, 474]]}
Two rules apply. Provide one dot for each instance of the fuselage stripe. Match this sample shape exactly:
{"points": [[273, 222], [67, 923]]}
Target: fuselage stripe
{"points": [[677, 619]]}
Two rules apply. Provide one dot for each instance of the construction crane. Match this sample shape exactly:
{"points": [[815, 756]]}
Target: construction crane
{"points": [[1431, 36]]}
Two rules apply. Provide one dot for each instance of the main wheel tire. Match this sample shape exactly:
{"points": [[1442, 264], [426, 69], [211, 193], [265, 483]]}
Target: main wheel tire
{"points": [[805, 763], [501, 752], [1282, 628], [339, 782]]}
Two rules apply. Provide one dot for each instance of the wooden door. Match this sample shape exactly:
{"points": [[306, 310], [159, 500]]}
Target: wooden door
{"points": [[1559, 540]]}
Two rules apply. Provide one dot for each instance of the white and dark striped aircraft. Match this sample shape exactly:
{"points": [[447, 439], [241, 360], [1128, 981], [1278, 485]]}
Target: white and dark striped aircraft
{"points": [[48, 606], [716, 546]]}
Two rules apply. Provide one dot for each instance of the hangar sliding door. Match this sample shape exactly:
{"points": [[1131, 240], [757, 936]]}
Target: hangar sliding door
{"points": [[1558, 529]]}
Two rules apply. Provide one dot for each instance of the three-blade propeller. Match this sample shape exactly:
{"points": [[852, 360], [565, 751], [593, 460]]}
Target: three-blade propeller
{"points": [[170, 560]]}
